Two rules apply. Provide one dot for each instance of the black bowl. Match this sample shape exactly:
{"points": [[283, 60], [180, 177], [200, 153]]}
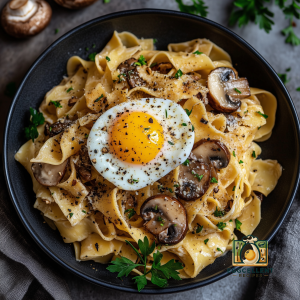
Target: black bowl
{"points": [[166, 27]]}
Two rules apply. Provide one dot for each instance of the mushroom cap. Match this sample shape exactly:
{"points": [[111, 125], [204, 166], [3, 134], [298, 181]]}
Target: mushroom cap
{"points": [[24, 18], [163, 67], [194, 180], [75, 4], [212, 152], [166, 218], [49, 175], [226, 90]]}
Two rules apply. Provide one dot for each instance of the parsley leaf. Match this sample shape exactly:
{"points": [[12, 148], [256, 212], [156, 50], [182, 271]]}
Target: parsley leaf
{"points": [[198, 7], [214, 180], [131, 212], [186, 162], [92, 56], [220, 250], [145, 248], [199, 228], [205, 241], [36, 119], [221, 225], [199, 177], [237, 90], [188, 112], [241, 162], [298, 89], [238, 224], [56, 103], [254, 154], [171, 143], [219, 213], [291, 37], [107, 58], [178, 74], [141, 61], [69, 89], [263, 115], [233, 189], [123, 266], [197, 52], [283, 77], [233, 153], [141, 281], [99, 98]]}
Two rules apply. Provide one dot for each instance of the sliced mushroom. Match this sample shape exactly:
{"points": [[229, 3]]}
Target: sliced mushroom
{"points": [[226, 90], [75, 4], [56, 128], [163, 68], [128, 69], [212, 152], [259, 195], [49, 175], [72, 101], [165, 218], [193, 180], [24, 18], [84, 165]]}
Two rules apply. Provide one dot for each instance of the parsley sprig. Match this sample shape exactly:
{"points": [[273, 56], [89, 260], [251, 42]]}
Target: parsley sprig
{"points": [[160, 273], [197, 8], [141, 61], [36, 119]]}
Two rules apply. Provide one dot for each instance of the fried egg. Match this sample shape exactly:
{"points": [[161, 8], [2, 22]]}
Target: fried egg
{"points": [[138, 142]]}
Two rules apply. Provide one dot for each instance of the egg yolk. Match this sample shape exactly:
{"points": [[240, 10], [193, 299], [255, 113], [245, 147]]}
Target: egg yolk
{"points": [[249, 254], [136, 137]]}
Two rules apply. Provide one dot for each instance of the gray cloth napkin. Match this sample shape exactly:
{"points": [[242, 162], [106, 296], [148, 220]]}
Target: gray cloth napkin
{"points": [[25, 272], [284, 282]]}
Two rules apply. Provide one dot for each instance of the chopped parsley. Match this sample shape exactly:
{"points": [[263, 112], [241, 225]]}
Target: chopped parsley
{"points": [[170, 190], [219, 213], [241, 162], [147, 128], [214, 180], [199, 228], [153, 64], [121, 78], [233, 153], [141, 61], [69, 89], [298, 89], [263, 115], [205, 241], [245, 111], [238, 224], [36, 119], [230, 220], [134, 180], [237, 90], [56, 103], [99, 98], [253, 154], [233, 189], [197, 52], [56, 30], [221, 225], [186, 163], [199, 177], [86, 136], [184, 124], [131, 212], [156, 207], [92, 56], [220, 250], [154, 41], [259, 127], [107, 58], [188, 112], [170, 143], [193, 128], [176, 185], [84, 211], [166, 113], [178, 74], [71, 215]]}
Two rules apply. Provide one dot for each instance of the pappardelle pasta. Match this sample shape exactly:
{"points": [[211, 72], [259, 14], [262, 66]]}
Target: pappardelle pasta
{"points": [[158, 144]]}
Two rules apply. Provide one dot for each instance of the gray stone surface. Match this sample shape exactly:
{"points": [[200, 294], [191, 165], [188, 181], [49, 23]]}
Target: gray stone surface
{"points": [[17, 56]]}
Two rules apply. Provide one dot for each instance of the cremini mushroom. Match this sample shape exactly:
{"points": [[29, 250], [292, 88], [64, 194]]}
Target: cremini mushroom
{"points": [[226, 90], [196, 172], [56, 128], [75, 4], [49, 175], [128, 71], [165, 217], [163, 68], [84, 165], [24, 18]]}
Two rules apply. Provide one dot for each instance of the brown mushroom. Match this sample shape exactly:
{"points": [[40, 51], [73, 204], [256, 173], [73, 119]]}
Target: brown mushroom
{"points": [[166, 218], [24, 18], [226, 90], [84, 165], [163, 68], [72, 101], [259, 195], [49, 175], [56, 128], [128, 69], [196, 172], [75, 4]]}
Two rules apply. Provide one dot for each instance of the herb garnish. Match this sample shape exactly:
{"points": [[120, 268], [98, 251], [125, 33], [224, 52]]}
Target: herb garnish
{"points": [[141, 61], [107, 58], [197, 52], [154, 41], [84, 211], [170, 143], [221, 225], [184, 124], [121, 79], [205, 241], [71, 215], [219, 213], [36, 119], [220, 250], [69, 89], [166, 113], [253, 154], [198, 7], [263, 115], [230, 220], [186, 162], [214, 180], [188, 112], [298, 89], [153, 64], [131, 212], [238, 224], [92, 56], [99, 98], [56, 30], [160, 273], [233, 153], [193, 128], [199, 177], [233, 189], [241, 162], [56, 103], [283, 77], [178, 74], [170, 190], [237, 90], [199, 228]]}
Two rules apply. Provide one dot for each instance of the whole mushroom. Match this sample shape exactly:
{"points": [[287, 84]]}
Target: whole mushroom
{"points": [[25, 18], [226, 90], [75, 4], [166, 218]]}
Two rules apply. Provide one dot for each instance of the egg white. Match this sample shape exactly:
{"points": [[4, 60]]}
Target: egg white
{"points": [[121, 173]]}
